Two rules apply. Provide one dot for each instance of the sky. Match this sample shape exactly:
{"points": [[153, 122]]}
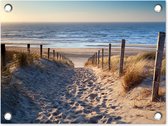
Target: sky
{"points": [[86, 11]]}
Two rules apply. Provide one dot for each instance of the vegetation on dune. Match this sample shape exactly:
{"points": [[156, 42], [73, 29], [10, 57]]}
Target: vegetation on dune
{"points": [[134, 74], [163, 66], [19, 58], [22, 59], [136, 68], [145, 56]]}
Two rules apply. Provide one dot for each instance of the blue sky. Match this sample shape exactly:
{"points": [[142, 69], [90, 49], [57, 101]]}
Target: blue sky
{"points": [[86, 11]]}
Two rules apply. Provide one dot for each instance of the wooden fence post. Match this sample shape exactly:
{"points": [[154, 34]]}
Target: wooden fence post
{"points": [[48, 53], [3, 55], [41, 51], [122, 57], [98, 58], [102, 58], [53, 54], [109, 57], [28, 48], [158, 64]]}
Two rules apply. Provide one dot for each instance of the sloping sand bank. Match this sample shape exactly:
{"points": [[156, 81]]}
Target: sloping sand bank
{"points": [[49, 93], [52, 93]]}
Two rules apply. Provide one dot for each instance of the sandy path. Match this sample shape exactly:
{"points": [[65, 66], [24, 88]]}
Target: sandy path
{"points": [[56, 94]]}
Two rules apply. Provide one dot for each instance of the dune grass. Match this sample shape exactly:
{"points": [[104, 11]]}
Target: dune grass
{"points": [[136, 68], [22, 59], [134, 75]]}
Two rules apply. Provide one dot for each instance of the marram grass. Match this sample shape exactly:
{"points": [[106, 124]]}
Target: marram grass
{"points": [[136, 68]]}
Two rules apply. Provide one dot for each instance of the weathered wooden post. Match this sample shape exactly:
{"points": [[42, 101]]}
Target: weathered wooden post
{"points": [[3, 55], [158, 64], [98, 58], [109, 57], [102, 58], [41, 51], [92, 59], [122, 57], [28, 48], [53, 54], [48, 53]]}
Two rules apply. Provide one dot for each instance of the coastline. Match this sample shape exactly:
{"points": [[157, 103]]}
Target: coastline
{"points": [[80, 55]]}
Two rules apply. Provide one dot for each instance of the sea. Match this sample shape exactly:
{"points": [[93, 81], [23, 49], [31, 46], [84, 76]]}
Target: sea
{"points": [[81, 35]]}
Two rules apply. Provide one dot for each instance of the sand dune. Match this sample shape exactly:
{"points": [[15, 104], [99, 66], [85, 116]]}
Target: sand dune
{"points": [[47, 92], [63, 95], [50, 93]]}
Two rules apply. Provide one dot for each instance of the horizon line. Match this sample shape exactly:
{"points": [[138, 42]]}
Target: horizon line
{"points": [[92, 22]]}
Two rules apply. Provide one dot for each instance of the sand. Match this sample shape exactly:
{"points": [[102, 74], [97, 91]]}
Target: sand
{"points": [[50, 93], [135, 106], [80, 55]]}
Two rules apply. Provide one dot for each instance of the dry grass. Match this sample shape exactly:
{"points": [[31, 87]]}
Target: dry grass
{"points": [[146, 55], [136, 68], [10, 56], [88, 63], [114, 63], [21, 58], [134, 75], [163, 70], [149, 56], [115, 60], [24, 59]]}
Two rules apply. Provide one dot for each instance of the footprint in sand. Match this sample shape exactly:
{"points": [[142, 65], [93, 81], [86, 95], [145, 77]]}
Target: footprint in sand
{"points": [[92, 96]]}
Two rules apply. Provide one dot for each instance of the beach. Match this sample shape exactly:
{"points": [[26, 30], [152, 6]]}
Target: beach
{"points": [[80, 55], [83, 62], [46, 92]]}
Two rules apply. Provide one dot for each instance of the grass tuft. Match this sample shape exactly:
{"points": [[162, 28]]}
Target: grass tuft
{"points": [[24, 59], [134, 75], [146, 55]]}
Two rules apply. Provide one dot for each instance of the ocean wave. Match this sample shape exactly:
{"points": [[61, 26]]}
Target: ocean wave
{"points": [[81, 33]]}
